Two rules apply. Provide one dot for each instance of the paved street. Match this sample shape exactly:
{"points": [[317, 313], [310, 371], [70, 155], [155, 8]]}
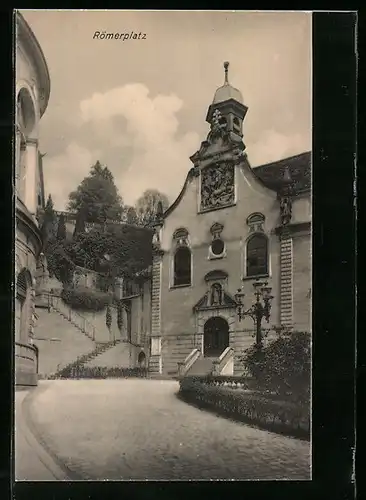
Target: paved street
{"points": [[32, 461], [138, 429]]}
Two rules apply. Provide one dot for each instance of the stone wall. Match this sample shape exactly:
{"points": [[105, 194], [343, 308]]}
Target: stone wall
{"points": [[27, 248]]}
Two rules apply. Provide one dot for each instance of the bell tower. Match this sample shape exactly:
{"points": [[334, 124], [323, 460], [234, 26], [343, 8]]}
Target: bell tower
{"points": [[227, 109]]}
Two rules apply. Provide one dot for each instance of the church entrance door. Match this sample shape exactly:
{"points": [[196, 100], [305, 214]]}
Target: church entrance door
{"points": [[215, 337]]}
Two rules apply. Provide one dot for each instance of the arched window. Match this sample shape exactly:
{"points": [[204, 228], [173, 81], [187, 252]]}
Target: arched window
{"points": [[257, 255], [182, 266], [21, 307], [236, 124], [222, 122]]}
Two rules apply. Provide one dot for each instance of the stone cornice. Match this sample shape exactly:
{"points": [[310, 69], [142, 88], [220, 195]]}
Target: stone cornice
{"points": [[34, 142], [29, 40], [294, 227], [25, 218], [233, 104]]}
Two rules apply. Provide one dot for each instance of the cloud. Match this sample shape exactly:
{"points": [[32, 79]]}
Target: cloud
{"points": [[273, 146], [126, 117], [137, 135]]}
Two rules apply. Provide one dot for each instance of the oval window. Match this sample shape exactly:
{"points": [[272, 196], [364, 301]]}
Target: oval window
{"points": [[217, 247]]}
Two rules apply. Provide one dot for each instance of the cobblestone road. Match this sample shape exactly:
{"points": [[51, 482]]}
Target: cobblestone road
{"points": [[138, 429]]}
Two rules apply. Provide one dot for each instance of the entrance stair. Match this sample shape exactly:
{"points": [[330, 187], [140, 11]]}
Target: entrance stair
{"points": [[197, 364], [203, 366]]}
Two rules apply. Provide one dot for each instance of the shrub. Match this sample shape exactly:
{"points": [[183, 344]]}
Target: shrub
{"points": [[248, 406], [58, 261], [108, 317], [77, 370], [85, 299], [283, 366]]}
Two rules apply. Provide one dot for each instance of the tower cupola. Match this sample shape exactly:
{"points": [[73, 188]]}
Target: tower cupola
{"points": [[228, 107]]}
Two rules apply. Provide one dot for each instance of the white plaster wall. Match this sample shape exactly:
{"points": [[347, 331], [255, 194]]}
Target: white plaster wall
{"points": [[251, 197]]}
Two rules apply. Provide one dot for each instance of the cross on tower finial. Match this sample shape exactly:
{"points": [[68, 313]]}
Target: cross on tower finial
{"points": [[226, 66]]}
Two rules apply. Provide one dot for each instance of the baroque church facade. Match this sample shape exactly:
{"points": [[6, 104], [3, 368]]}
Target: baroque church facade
{"points": [[31, 94], [230, 226]]}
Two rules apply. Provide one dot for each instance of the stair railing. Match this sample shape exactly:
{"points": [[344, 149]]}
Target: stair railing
{"points": [[74, 317], [184, 366], [222, 365], [78, 363]]}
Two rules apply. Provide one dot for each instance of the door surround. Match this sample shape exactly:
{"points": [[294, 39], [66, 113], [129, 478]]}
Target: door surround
{"points": [[202, 315]]}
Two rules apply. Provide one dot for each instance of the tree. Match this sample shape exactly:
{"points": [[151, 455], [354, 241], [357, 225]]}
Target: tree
{"points": [[61, 229], [119, 250], [49, 222], [80, 223], [147, 205], [131, 216], [59, 262], [97, 196]]}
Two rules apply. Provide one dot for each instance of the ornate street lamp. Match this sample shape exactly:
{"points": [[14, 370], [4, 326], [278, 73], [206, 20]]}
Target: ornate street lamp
{"points": [[259, 310]]}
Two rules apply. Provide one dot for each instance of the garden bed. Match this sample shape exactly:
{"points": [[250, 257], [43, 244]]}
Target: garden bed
{"points": [[249, 405], [100, 372]]}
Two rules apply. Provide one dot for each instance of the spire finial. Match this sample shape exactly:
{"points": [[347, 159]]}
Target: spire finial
{"points": [[226, 66]]}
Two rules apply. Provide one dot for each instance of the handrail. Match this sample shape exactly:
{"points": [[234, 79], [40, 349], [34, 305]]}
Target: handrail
{"points": [[224, 358], [184, 366], [225, 352], [86, 326], [33, 347]]}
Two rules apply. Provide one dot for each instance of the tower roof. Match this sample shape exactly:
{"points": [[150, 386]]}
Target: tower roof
{"points": [[227, 91]]}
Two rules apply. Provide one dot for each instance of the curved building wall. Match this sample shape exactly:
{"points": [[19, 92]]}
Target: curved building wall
{"points": [[31, 98]]}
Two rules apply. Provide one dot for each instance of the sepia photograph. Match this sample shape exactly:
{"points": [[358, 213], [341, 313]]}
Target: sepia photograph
{"points": [[163, 236]]}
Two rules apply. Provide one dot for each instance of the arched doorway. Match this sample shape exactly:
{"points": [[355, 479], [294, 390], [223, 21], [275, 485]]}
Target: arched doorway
{"points": [[215, 336], [141, 359]]}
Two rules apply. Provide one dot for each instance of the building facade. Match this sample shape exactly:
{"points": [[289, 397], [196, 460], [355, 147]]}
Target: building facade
{"points": [[31, 99], [230, 226]]}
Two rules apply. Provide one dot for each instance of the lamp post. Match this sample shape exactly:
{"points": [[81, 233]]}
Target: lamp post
{"points": [[259, 310]]}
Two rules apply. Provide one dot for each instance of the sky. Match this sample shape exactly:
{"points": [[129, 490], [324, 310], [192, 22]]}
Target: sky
{"points": [[139, 105]]}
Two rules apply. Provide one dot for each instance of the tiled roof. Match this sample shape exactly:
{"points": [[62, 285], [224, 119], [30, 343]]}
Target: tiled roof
{"points": [[300, 170]]}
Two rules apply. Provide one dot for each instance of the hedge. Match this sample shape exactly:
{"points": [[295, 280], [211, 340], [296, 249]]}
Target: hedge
{"points": [[85, 299], [243, 383], [100, 372], [249, 406], [283, 365]]}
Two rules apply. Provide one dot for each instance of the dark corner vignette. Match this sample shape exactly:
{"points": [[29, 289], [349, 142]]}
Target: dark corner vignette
{"points": [[7, 223], [334, 64]]}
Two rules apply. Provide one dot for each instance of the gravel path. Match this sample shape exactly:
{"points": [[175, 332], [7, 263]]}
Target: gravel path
{"points": [[138, 429]]}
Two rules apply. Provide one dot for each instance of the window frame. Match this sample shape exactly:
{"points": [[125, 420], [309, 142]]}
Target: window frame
{"points": [[181, 248], [266, 271]]}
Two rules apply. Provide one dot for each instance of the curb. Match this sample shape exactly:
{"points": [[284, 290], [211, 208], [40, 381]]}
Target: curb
{"points": [[47, 456]]}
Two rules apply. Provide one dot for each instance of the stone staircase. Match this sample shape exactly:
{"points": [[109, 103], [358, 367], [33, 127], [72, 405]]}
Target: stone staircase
{"points": [[83, 359], [64, 343], [203, 366], [120, 354], [59, 342], [80, 324]]}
